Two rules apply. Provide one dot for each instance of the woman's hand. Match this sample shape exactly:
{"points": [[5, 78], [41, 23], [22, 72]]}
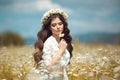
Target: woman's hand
{"points": [[62, 45]]}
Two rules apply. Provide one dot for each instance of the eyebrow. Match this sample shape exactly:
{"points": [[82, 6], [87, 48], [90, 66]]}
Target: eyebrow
{"points": [[58, 22]]}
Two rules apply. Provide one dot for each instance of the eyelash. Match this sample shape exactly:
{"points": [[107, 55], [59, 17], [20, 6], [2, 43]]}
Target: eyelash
{"points": [[56, 24]]}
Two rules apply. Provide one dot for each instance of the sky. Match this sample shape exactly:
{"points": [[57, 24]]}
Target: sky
{"points": [[85, 16]]}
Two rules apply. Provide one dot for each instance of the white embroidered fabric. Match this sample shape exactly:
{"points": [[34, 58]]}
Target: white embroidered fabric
{"points": [[49, 50], [58, 70]]}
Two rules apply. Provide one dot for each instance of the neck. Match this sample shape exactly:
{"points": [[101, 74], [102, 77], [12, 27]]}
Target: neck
{"points": [[57, 38]]}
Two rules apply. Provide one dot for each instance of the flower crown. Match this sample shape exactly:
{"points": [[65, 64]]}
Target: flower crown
{"points": [[53, 11]]}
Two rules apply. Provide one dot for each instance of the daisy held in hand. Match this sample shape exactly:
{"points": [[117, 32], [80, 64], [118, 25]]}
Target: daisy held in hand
{"points": [[53, 53]]}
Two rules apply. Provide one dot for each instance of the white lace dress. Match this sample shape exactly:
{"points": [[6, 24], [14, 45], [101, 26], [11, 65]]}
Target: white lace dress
{"points": [[58, 70]]}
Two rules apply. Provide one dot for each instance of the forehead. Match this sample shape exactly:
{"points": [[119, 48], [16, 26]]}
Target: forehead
{"points": [[56, 20]]}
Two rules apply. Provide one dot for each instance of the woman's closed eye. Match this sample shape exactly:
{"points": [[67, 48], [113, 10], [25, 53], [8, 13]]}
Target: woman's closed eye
{"points": [[60, 23], [54, 24]]}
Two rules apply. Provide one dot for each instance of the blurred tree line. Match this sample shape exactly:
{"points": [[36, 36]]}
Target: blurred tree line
{"points": [[9, 38]]}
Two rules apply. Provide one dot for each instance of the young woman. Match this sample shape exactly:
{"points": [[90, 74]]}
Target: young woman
{"points": [[53, 48]]}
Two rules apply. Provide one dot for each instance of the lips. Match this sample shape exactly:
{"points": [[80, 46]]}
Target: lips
{"points": [[58, 30]]}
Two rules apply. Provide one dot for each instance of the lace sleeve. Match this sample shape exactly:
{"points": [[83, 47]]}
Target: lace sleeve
{"points": [[49, 50], [47, 54]]}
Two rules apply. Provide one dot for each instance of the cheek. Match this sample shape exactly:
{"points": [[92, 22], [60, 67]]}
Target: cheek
{"points": [[62, 28], [52, 29]]}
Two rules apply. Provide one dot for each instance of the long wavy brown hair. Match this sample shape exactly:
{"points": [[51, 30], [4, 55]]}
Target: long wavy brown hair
{"points": [[45, 32]]}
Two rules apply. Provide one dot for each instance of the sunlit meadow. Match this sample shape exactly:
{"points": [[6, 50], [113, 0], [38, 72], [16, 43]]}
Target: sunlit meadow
{"points": [[89, 62]]}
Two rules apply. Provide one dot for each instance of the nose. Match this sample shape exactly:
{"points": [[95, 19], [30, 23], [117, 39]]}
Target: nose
{"points": [[58, 26]]}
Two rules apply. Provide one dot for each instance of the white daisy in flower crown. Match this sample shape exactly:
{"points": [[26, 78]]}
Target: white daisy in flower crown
{"points": [[53, 11]]}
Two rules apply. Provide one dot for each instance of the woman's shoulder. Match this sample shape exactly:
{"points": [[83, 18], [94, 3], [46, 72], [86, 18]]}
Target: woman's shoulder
{"points": [[50, 40]]}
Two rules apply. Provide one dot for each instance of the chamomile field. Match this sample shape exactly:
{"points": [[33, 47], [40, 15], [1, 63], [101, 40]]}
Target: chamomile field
{"points": [[89, 62]]}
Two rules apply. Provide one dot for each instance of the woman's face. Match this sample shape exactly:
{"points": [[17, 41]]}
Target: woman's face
{"points": [[56, 26]]}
